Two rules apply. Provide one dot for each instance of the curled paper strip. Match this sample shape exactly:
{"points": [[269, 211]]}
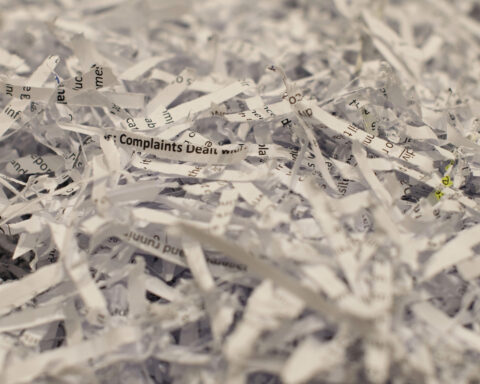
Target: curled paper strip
{"points": [[239, 192]]}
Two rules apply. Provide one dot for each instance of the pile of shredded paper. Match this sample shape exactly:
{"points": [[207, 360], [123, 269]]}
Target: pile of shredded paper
{"points": [[239, 191]]}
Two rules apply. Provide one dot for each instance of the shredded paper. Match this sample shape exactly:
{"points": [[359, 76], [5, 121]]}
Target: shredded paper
{"points": [[239, 191]]}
